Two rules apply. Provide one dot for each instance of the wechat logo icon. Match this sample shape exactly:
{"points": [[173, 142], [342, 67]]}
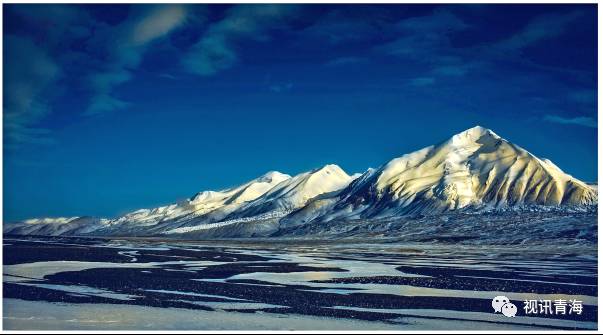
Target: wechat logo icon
{"points": [[502, 304]]}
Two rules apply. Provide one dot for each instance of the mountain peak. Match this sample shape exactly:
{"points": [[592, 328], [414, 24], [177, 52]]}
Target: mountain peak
{"points": [[472, 135], [273, 176], [476, 132], [206, 196], [296, 191], [330, 168]]}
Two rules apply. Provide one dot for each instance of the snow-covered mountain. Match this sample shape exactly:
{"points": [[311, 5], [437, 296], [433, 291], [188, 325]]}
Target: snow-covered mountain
{"points": [[269, 197], [474, 170], [287, 196], [217, 204], [208, 205], [295, 192], [56, 226]]}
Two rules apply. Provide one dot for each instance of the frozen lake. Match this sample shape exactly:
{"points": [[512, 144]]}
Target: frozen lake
{"points": [[76, 283]]}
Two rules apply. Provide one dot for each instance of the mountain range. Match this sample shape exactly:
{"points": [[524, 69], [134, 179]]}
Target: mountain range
{"points": [[474, 171]]}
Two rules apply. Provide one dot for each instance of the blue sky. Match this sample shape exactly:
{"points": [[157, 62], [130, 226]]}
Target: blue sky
{"points": [[110, 108]]}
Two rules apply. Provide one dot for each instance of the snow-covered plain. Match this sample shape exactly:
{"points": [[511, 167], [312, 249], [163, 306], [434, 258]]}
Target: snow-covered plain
{"points": [[68, 283]]}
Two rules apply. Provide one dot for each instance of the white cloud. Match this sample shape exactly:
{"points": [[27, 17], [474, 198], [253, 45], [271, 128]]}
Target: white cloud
{"points": [[216, 51], [211, 55], [542, 27], [28, 72], [126, 52], [579, 121], [157, 23]]}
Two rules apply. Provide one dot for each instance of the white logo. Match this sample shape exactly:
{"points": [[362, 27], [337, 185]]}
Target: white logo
{"points": [[502, 304], [498, 302], [509, 310]]}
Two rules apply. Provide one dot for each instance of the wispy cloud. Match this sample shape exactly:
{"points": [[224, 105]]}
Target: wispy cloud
{"points": [[32, 68], [344, 61], [157, 23], [105, 57], [216, 51], [441, 20], [425, 41], [28, 72], [423, 35], [58, 24], [422, 81], [125, 53], [280, 88], [543, 27], [98, 55], [344, 26], [578, 121]]}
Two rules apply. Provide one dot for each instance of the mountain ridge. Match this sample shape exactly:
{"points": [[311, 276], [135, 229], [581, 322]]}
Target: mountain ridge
{"points": [[474, 169]]}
